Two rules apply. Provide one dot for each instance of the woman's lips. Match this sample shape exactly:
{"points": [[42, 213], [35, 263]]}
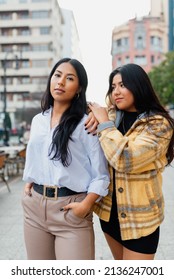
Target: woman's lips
{"points": [[118, 100], [59, 90]]}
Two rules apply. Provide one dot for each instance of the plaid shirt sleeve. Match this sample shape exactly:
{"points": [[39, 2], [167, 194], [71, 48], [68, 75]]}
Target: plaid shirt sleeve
{"points": [[141, 149]]}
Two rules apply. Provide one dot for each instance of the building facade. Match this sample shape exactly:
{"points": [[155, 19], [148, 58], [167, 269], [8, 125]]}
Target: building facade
{"points": [[165, 7], [142, 41], [70, 37], [31, 41], [171, 24], [158, 8]]}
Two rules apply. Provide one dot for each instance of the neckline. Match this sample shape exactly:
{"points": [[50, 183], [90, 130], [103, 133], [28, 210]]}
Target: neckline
{"points": [[131, 113]]}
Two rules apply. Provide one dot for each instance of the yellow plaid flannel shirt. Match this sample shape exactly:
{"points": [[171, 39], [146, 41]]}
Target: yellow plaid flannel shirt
{"points": [[139, 158]]}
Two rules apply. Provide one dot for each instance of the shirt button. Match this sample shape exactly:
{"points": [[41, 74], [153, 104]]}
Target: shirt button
{"points": [[120, 189], [99, 134], [123, 215]]}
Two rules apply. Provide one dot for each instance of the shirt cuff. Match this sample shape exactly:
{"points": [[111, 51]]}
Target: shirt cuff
{"points": [[100, 188], [105, 125]]}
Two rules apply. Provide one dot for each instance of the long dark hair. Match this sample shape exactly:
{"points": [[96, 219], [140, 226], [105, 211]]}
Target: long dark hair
{"points": [[71, 117], [138, 82]]}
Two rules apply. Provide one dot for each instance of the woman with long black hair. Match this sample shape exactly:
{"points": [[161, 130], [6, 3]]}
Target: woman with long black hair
{"points": [[65, 171], [137, 136]]}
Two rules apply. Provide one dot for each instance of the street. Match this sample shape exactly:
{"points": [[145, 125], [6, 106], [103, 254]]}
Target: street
{"points": [[11, 223]]}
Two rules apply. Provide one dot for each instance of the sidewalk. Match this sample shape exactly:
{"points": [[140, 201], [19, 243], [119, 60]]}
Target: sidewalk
{"points": [[11, 223]]}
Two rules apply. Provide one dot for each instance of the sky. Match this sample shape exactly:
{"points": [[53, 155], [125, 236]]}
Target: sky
{"points": [[95, 21]]}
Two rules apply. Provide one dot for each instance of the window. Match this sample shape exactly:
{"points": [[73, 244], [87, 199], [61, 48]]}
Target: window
{"points": [[44, 30], [156, 43], [9, 64], [23, 15], [139, 43], [125, 41], [152, 59], [40, 14], [40, 63], [114, 47], [138, 59], [127, 59], [7, 48], [24, 32], [37, 48], [25, 80], [25, 64], [9, 80], [6, 16], [25, 48], [6, 32], [120, 46], [118, 62], [39, 80], [119, 42]]}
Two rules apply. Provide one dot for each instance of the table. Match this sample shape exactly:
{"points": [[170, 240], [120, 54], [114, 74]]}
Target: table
{"points": [[12, 150], [14, 161]]}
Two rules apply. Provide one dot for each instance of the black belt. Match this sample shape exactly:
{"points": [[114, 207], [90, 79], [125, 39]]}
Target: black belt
{"points": [[53, 192]]}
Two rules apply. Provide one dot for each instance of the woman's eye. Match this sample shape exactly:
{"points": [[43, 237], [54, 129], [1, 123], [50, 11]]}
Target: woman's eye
{"points": [[70, 78]]}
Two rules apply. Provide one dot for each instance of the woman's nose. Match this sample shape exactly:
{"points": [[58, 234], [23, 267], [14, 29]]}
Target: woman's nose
{"points": [[115, 91], [61, 81]]}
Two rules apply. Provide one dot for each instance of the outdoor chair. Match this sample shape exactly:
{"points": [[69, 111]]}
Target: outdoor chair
{"points": [[11, 164], [20, 160], [3, 170]]}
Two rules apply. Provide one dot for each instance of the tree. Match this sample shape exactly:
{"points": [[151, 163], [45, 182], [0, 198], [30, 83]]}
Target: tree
{"points": [[162, 78]]}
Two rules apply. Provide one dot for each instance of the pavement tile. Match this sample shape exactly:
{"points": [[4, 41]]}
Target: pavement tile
{"points": [[11, 223]]}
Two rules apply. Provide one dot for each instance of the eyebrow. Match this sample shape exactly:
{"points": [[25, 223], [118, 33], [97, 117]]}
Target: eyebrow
{"points": [[68, 74], [121, 82]]}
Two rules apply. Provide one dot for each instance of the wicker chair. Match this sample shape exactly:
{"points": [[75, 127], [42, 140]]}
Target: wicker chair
{"points": [[3, 170], [20, 160]]}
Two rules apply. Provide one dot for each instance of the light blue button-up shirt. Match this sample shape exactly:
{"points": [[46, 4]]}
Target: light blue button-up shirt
{"points": [[88, 170]]}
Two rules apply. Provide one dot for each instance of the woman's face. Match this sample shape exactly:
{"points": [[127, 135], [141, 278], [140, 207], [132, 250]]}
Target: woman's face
{"points": [[121, 96], [64, 84]]}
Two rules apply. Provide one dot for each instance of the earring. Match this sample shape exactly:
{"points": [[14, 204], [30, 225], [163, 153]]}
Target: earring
{"points": [[77, 95]]}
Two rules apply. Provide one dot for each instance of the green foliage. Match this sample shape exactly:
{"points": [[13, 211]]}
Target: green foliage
{"points": [[162, 78]]}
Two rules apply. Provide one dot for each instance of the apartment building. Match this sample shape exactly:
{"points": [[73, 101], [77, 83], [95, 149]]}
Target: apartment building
{"points": [[70, 36], [159, 7], [143, 41], [171, 24], [167, 8], [31, 41]]}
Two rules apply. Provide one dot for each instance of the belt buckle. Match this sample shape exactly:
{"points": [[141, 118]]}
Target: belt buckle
{"points": [[55, 192]]}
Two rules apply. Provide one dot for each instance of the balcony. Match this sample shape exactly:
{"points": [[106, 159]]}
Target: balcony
{"points": [[27, 22]]}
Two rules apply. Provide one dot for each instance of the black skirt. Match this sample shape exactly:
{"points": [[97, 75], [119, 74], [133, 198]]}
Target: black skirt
{"points": [[145, 245]]}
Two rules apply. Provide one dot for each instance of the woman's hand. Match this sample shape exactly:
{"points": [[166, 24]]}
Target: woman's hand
{"points": [[27, 188], [99, 112], [91, 123], [81, 209]]}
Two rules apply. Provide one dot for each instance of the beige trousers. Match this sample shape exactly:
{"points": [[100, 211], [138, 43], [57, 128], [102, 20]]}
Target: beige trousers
{"points": [[53, 234]]}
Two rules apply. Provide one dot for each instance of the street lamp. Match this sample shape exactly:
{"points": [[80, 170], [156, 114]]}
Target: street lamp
{"points": [[7, 121]]}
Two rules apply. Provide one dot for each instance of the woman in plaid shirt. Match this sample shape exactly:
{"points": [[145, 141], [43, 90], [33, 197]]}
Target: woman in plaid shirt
{"points": [[137, 137]]}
